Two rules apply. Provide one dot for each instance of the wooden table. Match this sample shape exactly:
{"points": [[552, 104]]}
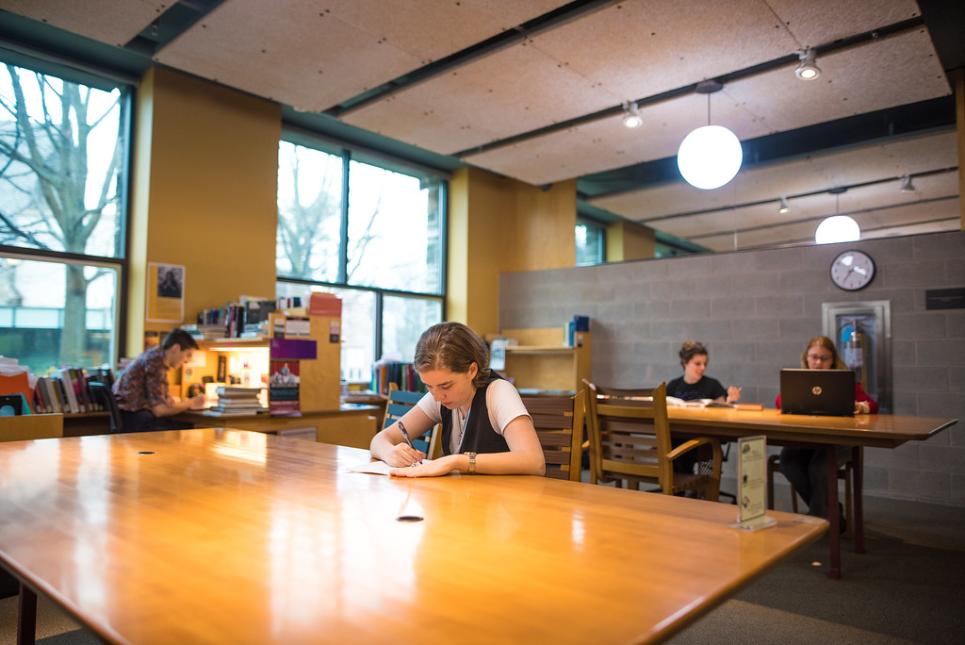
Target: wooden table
{"points": [[232, 536], [871, 430]]}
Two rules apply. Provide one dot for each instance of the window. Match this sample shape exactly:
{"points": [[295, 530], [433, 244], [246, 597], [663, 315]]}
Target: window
{"points": [[372, 235], [63, 169], [590, 243]]}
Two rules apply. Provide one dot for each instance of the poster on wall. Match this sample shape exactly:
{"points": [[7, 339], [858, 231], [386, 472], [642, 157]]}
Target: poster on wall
{"points": [[165, 292]]}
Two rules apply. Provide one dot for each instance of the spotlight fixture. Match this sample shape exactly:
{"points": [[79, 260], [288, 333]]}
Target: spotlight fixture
{"points": [[807, 69], [783, 207], [907, 186], [709, 156], [631, 116]]}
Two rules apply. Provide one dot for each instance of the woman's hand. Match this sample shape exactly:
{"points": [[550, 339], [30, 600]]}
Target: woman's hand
{"points": [[862, 407], [733, 394], [434, 468], [401, 456]]}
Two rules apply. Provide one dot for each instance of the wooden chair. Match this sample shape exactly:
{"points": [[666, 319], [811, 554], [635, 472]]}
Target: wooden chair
{"points": [[400, 402], [630, 441], [559, 426], [103, 395], [845, 472]]}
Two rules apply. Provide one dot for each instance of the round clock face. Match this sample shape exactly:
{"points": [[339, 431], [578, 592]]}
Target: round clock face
{"points": [[852, 270]]}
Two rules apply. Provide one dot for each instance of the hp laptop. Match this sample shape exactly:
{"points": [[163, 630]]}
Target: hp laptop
{"points": [[826, 392]]}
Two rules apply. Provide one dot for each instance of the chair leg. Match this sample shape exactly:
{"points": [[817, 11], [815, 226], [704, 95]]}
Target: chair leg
{"points": [[849, 499], [771, 467]]}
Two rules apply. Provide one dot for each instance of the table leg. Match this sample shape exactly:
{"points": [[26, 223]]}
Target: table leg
{"points": [[27, 618], [834, 539], [857, 460]]}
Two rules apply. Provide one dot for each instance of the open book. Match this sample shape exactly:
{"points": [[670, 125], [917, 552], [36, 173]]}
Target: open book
{"points": [[376, 467], [673, 401]]}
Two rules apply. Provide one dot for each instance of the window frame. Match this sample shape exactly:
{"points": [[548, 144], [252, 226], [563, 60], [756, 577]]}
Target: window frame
{"points": [[101, 79], [348, 154]]}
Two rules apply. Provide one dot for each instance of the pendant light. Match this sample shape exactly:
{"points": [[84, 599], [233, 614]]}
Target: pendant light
{"points": [[838, 228], [709, 156]]}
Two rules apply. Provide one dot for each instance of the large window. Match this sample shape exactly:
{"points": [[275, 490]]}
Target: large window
{"points": [[590, 242], [63, 169], [371, 234]]}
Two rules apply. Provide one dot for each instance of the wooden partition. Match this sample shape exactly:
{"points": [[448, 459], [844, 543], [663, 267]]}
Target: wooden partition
{"points": [[31, 426], [543, 361]]}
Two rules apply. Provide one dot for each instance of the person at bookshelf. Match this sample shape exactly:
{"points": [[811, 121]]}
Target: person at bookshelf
{"points": [[693, 384], [142, 390], [806, 468], [486, 429]]}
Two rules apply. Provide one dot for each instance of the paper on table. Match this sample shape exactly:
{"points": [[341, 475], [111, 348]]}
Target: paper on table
{"points": [[376, 467]]}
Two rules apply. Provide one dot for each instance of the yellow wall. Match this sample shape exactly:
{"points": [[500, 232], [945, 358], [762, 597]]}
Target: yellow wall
{"points": [[629, 241], [204, 193], [497, 224]]}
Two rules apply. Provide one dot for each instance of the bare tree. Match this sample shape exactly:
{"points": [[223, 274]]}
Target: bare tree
{"points": [[301, 228], [47, 201]]}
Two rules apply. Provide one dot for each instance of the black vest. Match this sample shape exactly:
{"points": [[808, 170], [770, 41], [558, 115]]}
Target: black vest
{"points": [[480, 435]]}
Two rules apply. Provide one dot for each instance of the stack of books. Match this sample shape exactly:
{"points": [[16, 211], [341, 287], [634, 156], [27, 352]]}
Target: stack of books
{"points": [[237, 400]]}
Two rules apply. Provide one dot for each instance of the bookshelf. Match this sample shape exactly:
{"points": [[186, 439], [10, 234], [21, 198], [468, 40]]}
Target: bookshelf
{"points": [[542, 361]]}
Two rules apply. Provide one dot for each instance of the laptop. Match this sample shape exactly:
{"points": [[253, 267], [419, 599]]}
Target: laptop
{"points": [[824, 392]]}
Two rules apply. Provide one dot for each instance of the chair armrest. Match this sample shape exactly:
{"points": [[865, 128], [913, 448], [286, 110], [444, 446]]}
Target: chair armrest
{"points": [[691, 444]]}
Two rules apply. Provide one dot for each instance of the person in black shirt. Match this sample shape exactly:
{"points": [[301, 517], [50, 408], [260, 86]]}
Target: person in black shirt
{"points": [[693, 384]]}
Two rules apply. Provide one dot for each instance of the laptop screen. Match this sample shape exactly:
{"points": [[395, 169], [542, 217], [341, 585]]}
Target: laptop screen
{"points": [[825, 392]]}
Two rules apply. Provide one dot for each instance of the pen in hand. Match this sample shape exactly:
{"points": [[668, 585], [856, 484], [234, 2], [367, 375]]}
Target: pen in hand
{"points": [[405, 436]]}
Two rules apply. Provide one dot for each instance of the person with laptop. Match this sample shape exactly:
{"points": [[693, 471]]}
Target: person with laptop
{"points": [[806, 468]]}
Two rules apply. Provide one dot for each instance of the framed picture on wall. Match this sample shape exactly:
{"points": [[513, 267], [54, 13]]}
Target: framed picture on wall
{"points": [[165, 292]]}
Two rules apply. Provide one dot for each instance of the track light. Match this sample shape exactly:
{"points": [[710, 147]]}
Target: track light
{"points": [[631, 117], [783, 207], [807, 69], [907, 186]]}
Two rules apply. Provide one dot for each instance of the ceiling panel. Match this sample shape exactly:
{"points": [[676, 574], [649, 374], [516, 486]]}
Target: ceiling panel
{"points": [[817, 23], [873, 223], [892, 71], [645, 47], [312, 55], [516, 89], [844, 166], [607, 143], [108, 21], [817, 207], [763, 104]]}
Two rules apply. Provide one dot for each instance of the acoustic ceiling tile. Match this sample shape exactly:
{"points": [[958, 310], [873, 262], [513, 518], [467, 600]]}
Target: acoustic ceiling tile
{"points": [[892, 71], [514, 90], [644, 47], [606, 143], [313, 55], [107, 21], [817, 23], [433, 29]]}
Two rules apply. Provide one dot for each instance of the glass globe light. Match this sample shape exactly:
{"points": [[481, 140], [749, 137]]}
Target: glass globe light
{"points": [[709, 157], [838, 228]]}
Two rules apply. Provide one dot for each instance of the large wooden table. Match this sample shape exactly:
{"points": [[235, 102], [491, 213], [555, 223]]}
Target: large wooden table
{"points": [[219, 535], [871, 430]]}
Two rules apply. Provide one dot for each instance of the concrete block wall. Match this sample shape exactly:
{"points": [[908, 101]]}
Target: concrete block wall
{"points": [[755, 310]]}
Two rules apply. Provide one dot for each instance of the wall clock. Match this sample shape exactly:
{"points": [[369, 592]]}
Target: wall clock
{"points": [[852, 270]]}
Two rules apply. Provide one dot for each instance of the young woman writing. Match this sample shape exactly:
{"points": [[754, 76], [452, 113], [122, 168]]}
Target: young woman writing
{"points": [[485, 426]]}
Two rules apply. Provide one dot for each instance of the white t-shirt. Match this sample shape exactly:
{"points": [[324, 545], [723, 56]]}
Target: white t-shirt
{"points": [[502, 402]]}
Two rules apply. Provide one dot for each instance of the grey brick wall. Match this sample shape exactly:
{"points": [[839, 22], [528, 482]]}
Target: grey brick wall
{"points": [[755, 310]]}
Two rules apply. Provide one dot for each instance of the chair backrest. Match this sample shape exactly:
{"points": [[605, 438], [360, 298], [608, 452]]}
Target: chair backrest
{"points": [[400, 402], [559, 425], [105, 398], [629, 438]]}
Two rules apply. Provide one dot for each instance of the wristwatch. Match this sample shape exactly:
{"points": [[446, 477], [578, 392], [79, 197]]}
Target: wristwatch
{"points": [[472, 462]]}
